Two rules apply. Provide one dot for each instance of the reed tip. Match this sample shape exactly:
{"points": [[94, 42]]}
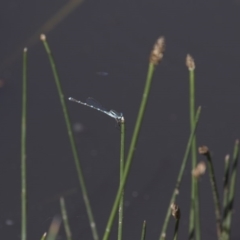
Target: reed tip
{"points": [[163, 235], [190, 62], [227, 157], [203, 150], [25, 49], [175, 211], [157, 52], [199, 170], [43, 37]]}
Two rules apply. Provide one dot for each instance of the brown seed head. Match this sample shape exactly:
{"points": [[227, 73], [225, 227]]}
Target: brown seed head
{"points": [[190, 62], [157, 52], [199, 170], [203, 150], [43, 37], [175, 211], [227, 157]]}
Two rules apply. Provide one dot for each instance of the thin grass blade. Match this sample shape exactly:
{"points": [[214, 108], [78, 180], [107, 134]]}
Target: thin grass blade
{"points": [[122, 156], [144, 228], [233, 177], [180, 175], [194, 222], [205, 151], [23, 150], [65, 219], [72, 140], [226, 186], [155, 57], [175, 236], [177, 215]]}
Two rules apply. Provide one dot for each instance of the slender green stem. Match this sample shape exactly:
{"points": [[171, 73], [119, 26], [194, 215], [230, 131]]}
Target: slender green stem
{"points": [[233, 177], [144, 228], [23, 149], [197, 211], [54, 228], [65, 219], [131, 150], [225, 186], [72, 141], [176, 229], [194, 223], [122, 147], [215, 194], [192, 204], [180, 175], [44, 236]]}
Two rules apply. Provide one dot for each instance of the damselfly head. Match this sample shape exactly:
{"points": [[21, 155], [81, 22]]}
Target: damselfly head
{"points": [[120, 119]]}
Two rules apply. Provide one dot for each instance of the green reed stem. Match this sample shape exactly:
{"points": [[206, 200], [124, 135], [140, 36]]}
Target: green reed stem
{"points": [[233, 177], [225, 187], [144, 228], [180, 175], [193, 182], [176, 229], [194, 223], [23, 150], [122, 150], [131, 150], [65, 219], [72, 141], [215, 194]]}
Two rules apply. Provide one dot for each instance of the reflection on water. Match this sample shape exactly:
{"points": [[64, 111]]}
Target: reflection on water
{"points": [[9, 222], [78, 127], [103, 74]]}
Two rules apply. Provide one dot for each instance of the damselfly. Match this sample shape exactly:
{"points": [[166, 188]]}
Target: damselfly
{"points": [[92, 103]]}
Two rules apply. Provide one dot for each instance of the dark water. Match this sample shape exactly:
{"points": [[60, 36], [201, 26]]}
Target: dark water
{"points": [[102, 51]]}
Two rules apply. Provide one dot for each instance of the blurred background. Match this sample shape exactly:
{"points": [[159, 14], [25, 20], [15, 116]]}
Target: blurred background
{"points": [[101, 50]]}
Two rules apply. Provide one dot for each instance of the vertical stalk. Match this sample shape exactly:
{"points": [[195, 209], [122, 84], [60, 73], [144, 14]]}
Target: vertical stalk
{"points": [[176, 229], [23, 150], [205, 151], [233, 180], [194, 221], [65, 219], [226, 187], [72, 141], [233, 177], [155, 57], [180, 175], [143, 235], [177, 215], [122, 148]]}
